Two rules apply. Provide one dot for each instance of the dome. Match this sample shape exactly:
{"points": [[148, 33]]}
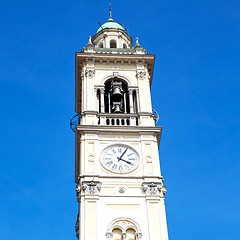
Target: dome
{"points": [[110, 24]]}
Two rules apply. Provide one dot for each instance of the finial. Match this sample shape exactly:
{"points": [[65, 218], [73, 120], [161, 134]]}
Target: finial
{"points": [[137, 44], [90, 44], [110, 10], [89, 40]]}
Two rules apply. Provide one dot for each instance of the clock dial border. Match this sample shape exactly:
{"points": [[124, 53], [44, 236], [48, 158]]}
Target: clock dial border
{"points": [[119, 145]]}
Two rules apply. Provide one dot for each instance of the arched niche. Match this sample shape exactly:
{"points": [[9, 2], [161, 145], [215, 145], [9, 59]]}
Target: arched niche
{"points": [[128, 228]]}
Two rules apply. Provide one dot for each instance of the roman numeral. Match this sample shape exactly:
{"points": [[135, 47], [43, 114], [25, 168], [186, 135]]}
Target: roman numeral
{"points": [[130, 154], [126, 167], [109, 163], [132, 159], [113, 150], [119, 150], [114, 166], [120, 168]]}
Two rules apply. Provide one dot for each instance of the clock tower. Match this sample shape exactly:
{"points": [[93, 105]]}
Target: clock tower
{"points": [[119, 184]]}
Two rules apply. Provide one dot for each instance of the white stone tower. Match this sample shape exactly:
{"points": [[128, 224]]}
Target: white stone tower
{"points": [[119, 184]]}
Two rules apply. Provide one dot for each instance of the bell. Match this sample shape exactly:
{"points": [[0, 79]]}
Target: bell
{"points": [[117, 108], [116, 91]]}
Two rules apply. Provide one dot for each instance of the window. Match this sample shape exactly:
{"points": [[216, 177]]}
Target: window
{"points": [[124, 45], [100, 45], [123, 228], [117, 234], [113, 44]]}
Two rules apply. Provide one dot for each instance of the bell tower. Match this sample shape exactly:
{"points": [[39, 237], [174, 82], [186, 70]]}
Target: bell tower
{"points": [[117, 171]]}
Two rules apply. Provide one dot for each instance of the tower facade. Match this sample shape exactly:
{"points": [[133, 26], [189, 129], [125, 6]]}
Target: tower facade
{"points": [[119, 184]]}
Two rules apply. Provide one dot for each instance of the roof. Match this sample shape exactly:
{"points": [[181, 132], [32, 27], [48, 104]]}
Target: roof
{"points": [[110, 24]]}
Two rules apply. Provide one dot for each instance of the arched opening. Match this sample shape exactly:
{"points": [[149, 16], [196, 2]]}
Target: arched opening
{"points": [[116, 96], [117, 234], [130, 234], [123, 228], [100, 45], [124, 45], [113, 44]]}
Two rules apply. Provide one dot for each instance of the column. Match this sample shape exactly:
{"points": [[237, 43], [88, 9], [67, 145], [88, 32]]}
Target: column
{"points": [[105, 41], [138, 100], [125, 103], [96, 99], [120, 41], [130, 92], [102, 100]]}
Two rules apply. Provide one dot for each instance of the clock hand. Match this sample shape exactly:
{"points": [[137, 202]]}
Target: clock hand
{"points": [[119, 158], [124, 160]]}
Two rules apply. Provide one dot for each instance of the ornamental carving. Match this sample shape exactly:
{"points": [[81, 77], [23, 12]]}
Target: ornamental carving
{"points": [[122, 190], [152, 188], [109, 235], [90, 73], [91, 188], [141, 75], [88, 188]]}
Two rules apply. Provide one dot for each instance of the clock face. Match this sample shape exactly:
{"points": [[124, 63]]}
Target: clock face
{"points": [[119, 159]]}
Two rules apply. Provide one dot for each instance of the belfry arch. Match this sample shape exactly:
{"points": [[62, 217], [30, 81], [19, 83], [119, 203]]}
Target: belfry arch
{"points": [[117, 97]]}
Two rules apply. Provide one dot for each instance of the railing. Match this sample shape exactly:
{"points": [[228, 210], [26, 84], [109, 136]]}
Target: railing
{"points": [[117, 120]]}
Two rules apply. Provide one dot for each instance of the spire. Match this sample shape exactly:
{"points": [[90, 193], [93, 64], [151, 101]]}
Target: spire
{"points": [[110, 10], [110, 13]]}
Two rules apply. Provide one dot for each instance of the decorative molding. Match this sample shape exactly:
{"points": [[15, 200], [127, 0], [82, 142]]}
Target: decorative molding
{"points": [[152, 188], [141, 74], [90, 73]]}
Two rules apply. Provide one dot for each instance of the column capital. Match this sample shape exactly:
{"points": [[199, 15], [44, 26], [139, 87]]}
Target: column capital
{"points": [[102, 90], [153, 188], [141, 74], [130, 90], [90, 73], [88, 188]]}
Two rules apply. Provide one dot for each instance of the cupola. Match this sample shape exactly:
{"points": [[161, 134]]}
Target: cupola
{"points": [[112, 35]]}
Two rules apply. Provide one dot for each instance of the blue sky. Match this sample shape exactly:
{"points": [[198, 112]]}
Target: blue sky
{"points": [[195, 91]]}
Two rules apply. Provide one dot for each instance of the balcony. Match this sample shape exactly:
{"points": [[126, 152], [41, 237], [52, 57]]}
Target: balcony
{"points": [[110, 119]]}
